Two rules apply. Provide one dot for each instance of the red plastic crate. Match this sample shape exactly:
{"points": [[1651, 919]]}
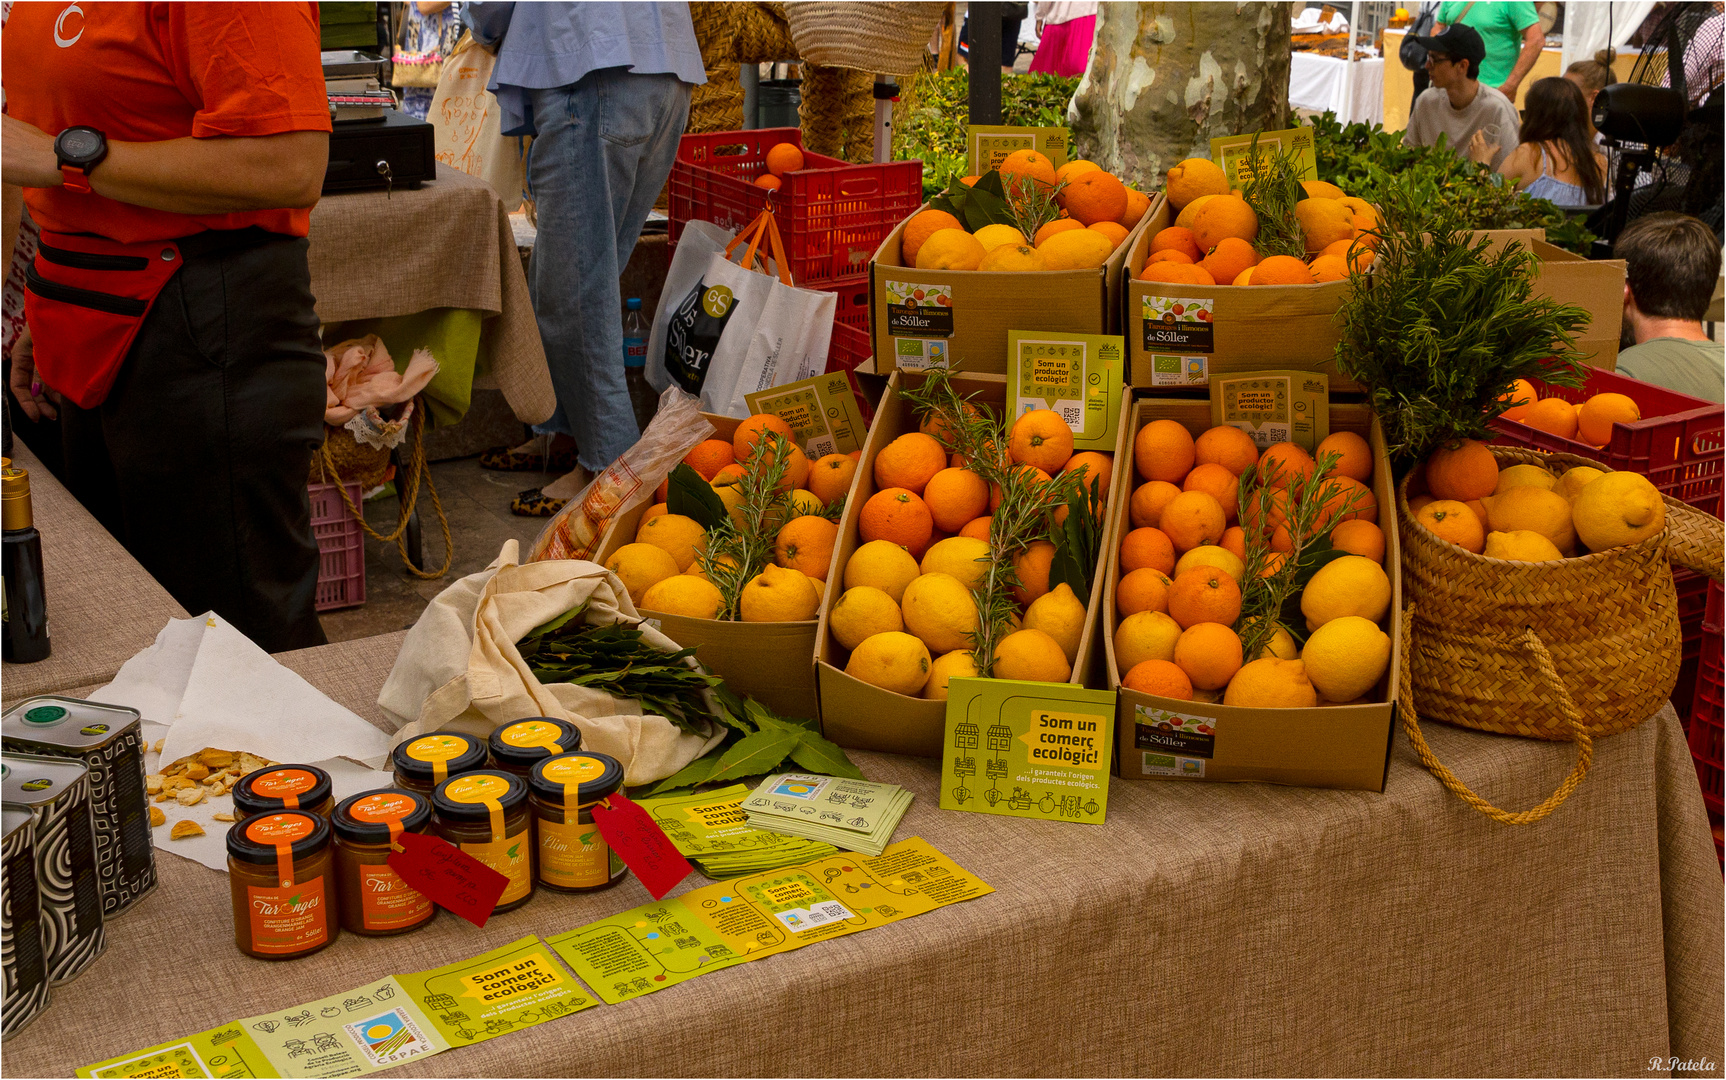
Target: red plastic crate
{"points": [[341, 547], [832, 215], [1692, 589], [852, 343], [1708, 712], [1677, 444]]}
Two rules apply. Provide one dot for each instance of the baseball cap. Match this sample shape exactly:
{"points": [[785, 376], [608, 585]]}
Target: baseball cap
{"points": [[1458, 41]]}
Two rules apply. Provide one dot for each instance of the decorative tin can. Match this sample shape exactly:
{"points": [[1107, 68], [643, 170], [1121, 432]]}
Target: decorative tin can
{"points": [[26, 972], [109, 740], [57, 792]]}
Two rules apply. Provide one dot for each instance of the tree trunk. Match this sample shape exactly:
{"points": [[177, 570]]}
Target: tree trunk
{"points": [[1165, 78]]}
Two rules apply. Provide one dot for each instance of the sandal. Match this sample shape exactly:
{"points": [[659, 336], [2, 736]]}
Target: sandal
{"points": [[535, 503], [507, 459]]}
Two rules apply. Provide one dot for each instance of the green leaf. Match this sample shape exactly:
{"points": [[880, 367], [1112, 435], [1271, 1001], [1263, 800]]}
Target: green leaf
{"points": [[754, 755], [688, 494], [766, 718], [818, 755], [694, 773], [554, 625]]}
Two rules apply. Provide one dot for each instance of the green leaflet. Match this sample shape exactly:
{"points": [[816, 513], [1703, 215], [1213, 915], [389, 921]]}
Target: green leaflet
{"points": [[688, 494], [753, 755], [816, 754]]}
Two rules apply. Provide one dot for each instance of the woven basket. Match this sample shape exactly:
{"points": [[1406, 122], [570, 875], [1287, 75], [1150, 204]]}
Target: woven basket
{"points": [[1564, 650], [887, 38], [351, 462]]}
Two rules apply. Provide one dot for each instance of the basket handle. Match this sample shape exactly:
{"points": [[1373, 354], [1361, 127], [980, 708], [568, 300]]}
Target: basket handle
{"points": [[1694, 540], [1578, 733]]}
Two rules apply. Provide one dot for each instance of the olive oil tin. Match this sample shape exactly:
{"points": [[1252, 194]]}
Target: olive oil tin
{"points": [[26, 970], [109, 740], [56, 791]]}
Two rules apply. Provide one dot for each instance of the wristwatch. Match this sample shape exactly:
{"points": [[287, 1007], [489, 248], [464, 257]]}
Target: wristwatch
{"points": [[79, 149]]}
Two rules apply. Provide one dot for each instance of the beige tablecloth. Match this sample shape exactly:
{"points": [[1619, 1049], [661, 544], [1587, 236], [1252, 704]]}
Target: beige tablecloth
{"points": [[445, 244]]}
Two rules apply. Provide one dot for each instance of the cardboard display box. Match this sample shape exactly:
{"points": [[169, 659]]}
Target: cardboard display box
{"points": [[963, 319], [863, 717], [1340, 746], [1594, 285]]}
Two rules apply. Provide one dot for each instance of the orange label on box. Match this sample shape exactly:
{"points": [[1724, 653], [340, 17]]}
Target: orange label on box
{"points": [[509, 857], [573, 854], [389, 903], [289, 920]]}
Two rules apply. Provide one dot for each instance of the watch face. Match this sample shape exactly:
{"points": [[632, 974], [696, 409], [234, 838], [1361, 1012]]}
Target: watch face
{"points": [[79, 143]]}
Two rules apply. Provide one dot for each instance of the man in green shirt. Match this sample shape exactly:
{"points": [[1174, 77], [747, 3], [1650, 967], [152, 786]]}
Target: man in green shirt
{"points": [[1673, 265], [1512, 34]]}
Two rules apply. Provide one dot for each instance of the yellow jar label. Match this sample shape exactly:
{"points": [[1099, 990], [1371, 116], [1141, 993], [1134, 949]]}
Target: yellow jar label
{"points": [[436, 748], [573, 855], [511, 858], [573, 770], [476, 789], [533, 733]]}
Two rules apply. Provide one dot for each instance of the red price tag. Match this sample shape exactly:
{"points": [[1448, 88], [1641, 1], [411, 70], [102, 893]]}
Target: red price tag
{"points": [[448, 876], [641, 844]]}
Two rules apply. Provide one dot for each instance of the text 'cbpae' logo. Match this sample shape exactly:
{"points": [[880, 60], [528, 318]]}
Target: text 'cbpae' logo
{"points": [[1072, 740]]}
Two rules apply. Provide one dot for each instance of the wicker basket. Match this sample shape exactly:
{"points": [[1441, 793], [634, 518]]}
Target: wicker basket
{"points": [[887, 38], [347, 461], [1564, 650]]}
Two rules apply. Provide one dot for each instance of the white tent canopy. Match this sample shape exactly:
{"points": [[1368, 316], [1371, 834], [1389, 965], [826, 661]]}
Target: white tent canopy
{"points": [[1591, 26]]}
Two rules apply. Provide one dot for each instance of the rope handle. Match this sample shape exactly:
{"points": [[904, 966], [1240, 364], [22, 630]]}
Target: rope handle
{"points": [[408, 491], [764, 227], [1578, 733]]}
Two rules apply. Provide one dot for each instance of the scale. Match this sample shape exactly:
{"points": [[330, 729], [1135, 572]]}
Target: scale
{"points": [[373, 144]]}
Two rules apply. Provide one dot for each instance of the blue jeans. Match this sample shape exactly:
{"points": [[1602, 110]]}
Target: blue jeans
{"points": [[602, 153]]}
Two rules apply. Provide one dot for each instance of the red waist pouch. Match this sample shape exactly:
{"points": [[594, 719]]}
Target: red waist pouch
{"points": [[85, 297]]}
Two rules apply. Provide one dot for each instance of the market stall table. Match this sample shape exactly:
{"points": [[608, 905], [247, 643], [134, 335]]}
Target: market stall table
{"points": [[1321, 83]]}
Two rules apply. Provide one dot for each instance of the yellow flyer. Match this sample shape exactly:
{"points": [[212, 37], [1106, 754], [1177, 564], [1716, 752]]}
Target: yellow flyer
{"points": [[822, 412], [1078, 376], [1232, 152], [987, 145]]}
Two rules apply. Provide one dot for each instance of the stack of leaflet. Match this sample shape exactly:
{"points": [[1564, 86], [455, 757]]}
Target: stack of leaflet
{"points": [[856, 815], [711, 831]]}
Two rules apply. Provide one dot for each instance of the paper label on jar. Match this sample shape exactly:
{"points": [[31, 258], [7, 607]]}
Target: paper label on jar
{"points": [[533, 733], [289, 920], [573, 854], [382, 808], [573, 770], [389, 903], [437, 748], [509, 857]]}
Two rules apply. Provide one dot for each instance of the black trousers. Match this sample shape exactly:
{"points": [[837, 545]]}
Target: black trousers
{"points": [[198, 459]]}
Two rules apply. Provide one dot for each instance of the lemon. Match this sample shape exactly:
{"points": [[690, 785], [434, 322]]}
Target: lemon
{"points": [[683, 594], [1269, 683], [863, 612], [1534, 509], [805, 503], [640, 567], [779, 594], [1524, 476], [1059, 614], [961, 556], [938, 609], [1031, 655], [950, 249], [1346, 657], [1351, 585], [1013, 257], [958, 664], [1190, 211], [1076, 249], [1574, 480], [1145, 635], [1618, 508], [682, 537], [1211, 555], [1521, 546], [1281, 645], [994, 236], [883, 564], [893, 661], [732, 496], [648, 515]]}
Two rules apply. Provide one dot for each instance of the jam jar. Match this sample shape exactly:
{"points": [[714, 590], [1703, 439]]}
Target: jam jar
{"points": [[279, 872], [486, 814], [284, 787], [573, 857], [375, 901], [422, 764], [518, 747]]}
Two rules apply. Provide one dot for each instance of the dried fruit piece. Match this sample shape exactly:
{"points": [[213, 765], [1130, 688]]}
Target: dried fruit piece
{"points": [[191, 796], [223, 816], [197, 770], [153, 783], [183, 829], [157, 749], [156, 816], [214, 758]]}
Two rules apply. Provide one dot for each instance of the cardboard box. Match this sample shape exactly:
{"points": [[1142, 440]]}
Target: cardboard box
{"points": [[1250, 328], [1595, 285], [1340, 746], [863, 717], [969, 331]]}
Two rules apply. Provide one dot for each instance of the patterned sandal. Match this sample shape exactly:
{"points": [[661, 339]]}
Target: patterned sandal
{"points": [[505, 459], [535, 503]]}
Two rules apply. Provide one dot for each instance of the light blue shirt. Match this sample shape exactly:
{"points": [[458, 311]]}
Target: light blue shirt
{"points": [[547, 45]]}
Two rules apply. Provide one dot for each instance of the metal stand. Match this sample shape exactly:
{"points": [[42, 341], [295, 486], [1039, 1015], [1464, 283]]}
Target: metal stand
{"points": [[414, 537], [886, 93], [984, 37]]}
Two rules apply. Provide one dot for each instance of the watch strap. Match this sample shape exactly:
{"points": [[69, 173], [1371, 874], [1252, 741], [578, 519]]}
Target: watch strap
{"points": [[75, 179]]}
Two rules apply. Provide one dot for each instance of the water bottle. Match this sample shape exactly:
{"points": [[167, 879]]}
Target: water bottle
{"points": [[642, 397]]}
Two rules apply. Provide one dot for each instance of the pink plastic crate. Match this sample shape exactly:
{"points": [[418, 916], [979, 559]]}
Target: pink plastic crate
{"points": [[341, 547]]}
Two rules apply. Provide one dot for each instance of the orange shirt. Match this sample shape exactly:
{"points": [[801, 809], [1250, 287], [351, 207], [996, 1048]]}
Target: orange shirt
{"points": [[144, 72]]}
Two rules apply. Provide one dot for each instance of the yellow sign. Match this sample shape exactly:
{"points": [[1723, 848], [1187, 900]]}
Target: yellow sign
{"points": [[520, 976]]}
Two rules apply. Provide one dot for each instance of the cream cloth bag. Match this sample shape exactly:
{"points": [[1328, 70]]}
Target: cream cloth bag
{"points": [[459, 669]]}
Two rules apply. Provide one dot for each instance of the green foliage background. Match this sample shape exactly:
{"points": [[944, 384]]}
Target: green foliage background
{"points": [[929, 121]]}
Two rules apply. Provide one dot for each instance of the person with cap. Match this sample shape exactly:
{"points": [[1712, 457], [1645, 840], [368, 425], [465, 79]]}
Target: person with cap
{"points": [[1511, 32], [1457, 105]]}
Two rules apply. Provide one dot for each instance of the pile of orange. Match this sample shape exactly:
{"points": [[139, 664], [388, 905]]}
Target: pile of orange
{"points": [[781, 159], [1590, 422]]}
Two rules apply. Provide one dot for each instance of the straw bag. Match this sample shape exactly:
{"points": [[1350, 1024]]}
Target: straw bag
{"points": [[1564, 650], [883, 38]]}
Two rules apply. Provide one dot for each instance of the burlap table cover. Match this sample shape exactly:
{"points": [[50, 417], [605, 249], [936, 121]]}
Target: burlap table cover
{"points": [[445, 244], [1205, 929], [102, 605]]}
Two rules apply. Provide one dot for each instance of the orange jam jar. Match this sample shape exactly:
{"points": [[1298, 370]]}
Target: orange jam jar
{"points": [[518, 747], [279, 873], [486, 814], [422, 764], [284, 787], [573, 857], [375, 901]]}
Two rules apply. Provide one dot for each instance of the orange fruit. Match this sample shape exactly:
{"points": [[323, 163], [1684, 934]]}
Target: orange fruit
{"points": [[934, 424], [1415, 502], [1361, 538], [1553, 415], [1149, 500], [1193, 518], [1355, 460], [1097, 466], [1323, 222], [1454, 522], [830, 477], [1193, 179], [1175, 238], [923, 225], [1137, 203], [1041, 438], [1227, 446], [1038, 479], [1337, 492], [1273, 562], [1176, 273], [1209, 653], [1032, 567], [1329, 268], [1353, 252], [969, 181], [1518, 399], [1147, 548], [1217, 482], [1143, 589], [750, 431], [1111, 229], [806, 544], [784, 158], [977, 528], [899, 517], [1246, 277], [1161, 678], [1223, 217], [909, 462], [730, 474], [1229, 259], [1282, 270], [1054, 228], [1163, 450], [1022, 165], [1234, 542], [1095, 196], [709, 456], [796, 470], [1463, 469], [769, 181], [1284, 465], [1072, 169], [1171, 255], [1204, 594], [955, 498], [1594, 419]]}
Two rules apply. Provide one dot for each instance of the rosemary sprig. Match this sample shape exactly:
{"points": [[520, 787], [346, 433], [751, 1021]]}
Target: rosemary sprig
{"points": [[1032, 206], [735, 553], [1272, 190]]}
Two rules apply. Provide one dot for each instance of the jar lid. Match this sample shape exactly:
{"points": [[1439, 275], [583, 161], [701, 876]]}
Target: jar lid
{"points": [[532, 740], [256, 839], [281, 787], [365, 818], [469, 797], [595, 776], [421, 758]]}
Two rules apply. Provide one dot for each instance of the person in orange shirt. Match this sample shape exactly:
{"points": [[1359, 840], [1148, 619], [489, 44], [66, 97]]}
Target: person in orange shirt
{"points": [[171, 154]]}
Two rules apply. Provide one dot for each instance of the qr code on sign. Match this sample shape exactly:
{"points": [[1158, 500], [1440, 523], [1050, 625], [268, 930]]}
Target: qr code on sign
{"points": [[820, 448], [1071, 412], [833, 910]]}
